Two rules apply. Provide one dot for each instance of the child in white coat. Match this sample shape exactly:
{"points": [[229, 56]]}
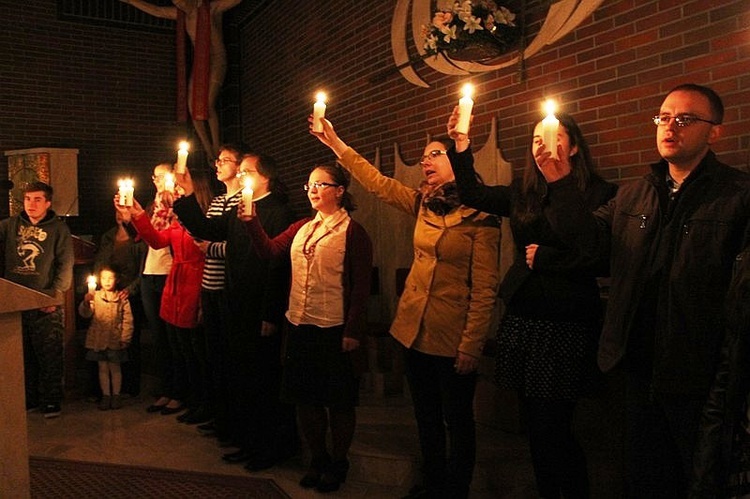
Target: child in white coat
{"points": [[108, 335]]}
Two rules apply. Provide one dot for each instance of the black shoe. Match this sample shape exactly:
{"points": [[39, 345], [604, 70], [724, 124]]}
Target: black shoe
{"points": [[260, 463], [333, 476], [182, 417], [168, 411], [155, 408], [314, 472], [207, 429], [51, 411], [237, 457], [200, 415]]}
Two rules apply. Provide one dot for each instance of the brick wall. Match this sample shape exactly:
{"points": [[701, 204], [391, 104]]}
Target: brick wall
{"points": [[611, 73], [109, 90], [105, 90]]}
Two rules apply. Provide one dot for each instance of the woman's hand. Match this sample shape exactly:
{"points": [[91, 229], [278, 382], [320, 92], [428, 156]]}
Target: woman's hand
{"points": [[241, 212], [530, 254], [185, 181], [328, 136], [461, 139], [552, 169], [349, 344], [465, 363], [128, 212]]}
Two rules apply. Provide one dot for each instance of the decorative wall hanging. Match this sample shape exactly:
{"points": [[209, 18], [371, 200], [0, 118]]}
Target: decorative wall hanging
{"points": [[562, 17]]}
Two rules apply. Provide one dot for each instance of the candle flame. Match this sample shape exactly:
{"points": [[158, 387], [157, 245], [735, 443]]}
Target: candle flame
{"points": [[467, 90], [550, 106], [91, 280], [320, 97], [248, 182], [125, 182], [184, 145]]}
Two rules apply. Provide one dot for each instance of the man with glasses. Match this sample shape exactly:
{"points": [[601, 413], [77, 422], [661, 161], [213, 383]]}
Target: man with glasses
{"points": [[672, 237]]}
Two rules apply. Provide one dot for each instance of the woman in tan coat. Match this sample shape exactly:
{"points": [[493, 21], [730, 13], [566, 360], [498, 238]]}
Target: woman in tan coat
{"points": [[444, 313]]}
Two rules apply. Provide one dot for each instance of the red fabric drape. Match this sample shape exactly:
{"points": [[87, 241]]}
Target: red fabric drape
{"points": [[181, 51], [200, 71], [201, 67]]}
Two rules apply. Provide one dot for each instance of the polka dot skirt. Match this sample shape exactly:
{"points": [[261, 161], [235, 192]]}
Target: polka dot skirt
{"points": [[544, 359]]}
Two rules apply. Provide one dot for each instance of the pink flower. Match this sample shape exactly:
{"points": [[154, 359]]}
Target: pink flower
{"points": [[442, 19]]}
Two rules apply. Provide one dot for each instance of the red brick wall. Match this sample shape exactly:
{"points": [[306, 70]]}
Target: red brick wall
{"points": [[105, 90], [611, 73], [109, 90]]}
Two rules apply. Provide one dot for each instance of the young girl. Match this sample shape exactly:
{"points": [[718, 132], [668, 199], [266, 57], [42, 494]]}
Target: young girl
{"points": [[109, 335]]}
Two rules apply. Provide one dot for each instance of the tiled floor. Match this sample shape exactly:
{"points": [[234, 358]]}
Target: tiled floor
{"points": [[383, 455]]}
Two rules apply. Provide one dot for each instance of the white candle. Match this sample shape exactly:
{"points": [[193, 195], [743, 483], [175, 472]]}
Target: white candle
{"points": [[126, 191], [169, 182], [319, 111], [91, 283], [465, 105], [182, 155], [550, 124], [247, 197]]}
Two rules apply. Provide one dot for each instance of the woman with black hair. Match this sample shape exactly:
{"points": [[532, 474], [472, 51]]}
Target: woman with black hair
{"points": [[548, 337]]}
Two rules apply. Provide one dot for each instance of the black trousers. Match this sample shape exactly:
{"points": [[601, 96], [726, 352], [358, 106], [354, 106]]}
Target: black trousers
{"points": [[443, 406]]}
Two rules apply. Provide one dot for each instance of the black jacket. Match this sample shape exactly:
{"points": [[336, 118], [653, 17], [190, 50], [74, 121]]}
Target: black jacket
{"points": [[724, 412], [671, 263], [562, 286]]}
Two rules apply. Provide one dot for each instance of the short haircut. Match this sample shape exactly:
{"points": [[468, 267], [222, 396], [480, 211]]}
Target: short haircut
{"points": [[714, 101], [39, 187]]}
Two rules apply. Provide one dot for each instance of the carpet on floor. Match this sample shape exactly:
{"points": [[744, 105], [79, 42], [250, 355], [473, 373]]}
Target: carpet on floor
{"points": [[59, 478]]}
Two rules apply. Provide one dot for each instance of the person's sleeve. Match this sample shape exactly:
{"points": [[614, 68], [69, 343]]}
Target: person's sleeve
{"points": [[155, 238], [217, 250], [360, 260], [85, 310], [385, 188], [484, 275], [127, 322], [197, 223], [490, 199], [276, 292], [266, 247], [64, 258]]}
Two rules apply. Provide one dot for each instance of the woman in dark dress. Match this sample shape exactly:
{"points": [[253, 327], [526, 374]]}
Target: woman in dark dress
{"points": [[547, 339]]}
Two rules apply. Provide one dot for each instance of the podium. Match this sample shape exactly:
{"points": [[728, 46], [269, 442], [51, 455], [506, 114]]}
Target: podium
{"points": [[14, 447]]}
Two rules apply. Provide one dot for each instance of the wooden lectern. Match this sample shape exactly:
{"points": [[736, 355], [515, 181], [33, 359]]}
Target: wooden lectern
{"points": [[14, 447]]}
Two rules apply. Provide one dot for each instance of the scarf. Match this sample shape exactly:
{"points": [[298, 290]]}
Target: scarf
{"points": [[442, 199]]}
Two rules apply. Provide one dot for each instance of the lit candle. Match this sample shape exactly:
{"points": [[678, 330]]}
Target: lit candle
{"points": [[169, 182], [465, 105], [550, 125], [247, 197], [182, 155], [319, 111], [91, 283], [126, 191]]}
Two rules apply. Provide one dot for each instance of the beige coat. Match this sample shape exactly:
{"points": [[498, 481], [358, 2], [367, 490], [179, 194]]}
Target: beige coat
{"points": [[450, 293], [112, 322]]}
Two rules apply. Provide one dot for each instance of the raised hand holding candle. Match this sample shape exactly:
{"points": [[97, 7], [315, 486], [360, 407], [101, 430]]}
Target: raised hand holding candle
{"points": [[550, 124], [319, 111], [182, 155], [169, 182], [91, 283], [465, 106], [126, 191], [247, 197]]}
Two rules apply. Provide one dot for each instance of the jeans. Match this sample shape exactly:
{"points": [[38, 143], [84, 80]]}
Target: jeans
{"points": [[443, 407], [152, 287], [43, 356]]}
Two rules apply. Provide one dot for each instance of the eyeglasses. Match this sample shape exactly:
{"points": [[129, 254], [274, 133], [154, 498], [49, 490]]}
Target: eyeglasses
{"points": [[431, 155], [318, 185], [243, 173], [157, 177], [682, 120], [225, 161]]}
